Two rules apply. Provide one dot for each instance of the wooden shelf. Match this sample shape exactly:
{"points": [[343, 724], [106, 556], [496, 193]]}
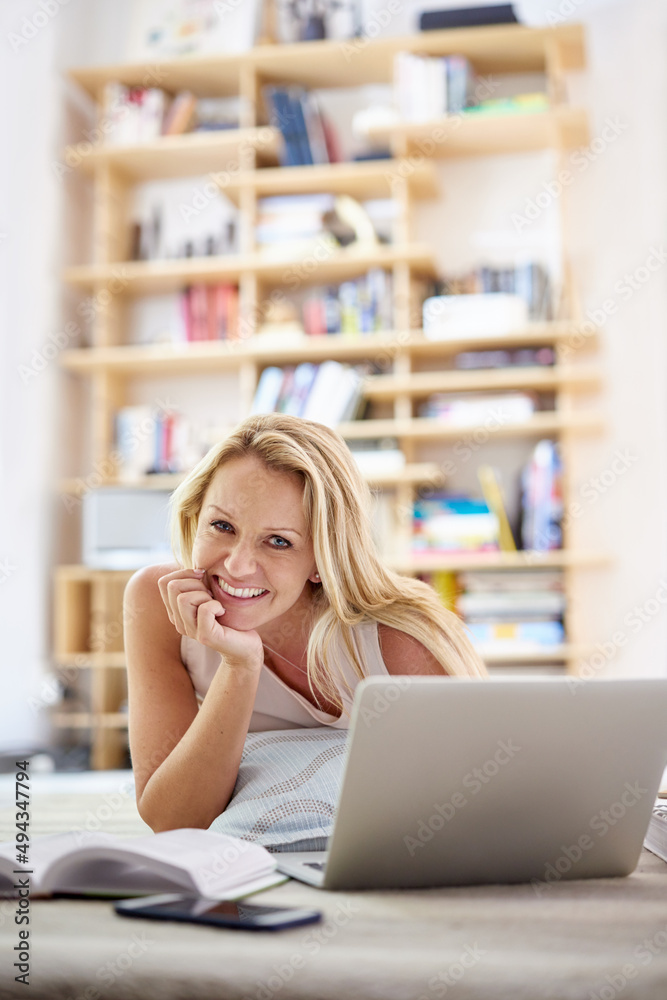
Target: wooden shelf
{"points": [[485, 134], [363, 180], [430, 428], [210, 356], [541, 378], [555, 654], [494, 49], [155, 277], [90, 661], [173, 156], [89, 720], [414, 473], [458, 562]]}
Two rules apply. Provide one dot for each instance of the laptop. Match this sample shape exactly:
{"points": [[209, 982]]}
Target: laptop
{"points": [[456, 781]]}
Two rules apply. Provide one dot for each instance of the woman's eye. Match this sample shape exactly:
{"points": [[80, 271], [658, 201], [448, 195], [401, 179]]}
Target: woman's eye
{"points": [[281, 543], [221, 525]]}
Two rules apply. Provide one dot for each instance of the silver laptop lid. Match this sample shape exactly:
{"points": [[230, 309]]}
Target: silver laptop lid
{"points": [[453, 781]]}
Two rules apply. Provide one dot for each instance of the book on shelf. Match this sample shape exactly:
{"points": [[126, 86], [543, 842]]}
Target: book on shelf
{"points": [[522, 580], [473, 409], [489, 481], [542, 499], [327, 393], [150, 441], [447, 523], [132, 115], [377, 457], [497, 298], [180, 116], [656, 835], [512, 605], [360, 306], [308, 137], [428, 87], [210, 312], [517, 104], [195, 861], [515, 636], [520, 357], [297, 217]]}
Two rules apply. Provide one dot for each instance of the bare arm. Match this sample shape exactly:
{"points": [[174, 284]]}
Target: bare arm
{"points": [[185, 760]]}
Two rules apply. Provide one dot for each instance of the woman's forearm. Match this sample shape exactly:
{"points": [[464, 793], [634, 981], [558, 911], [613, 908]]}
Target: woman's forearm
{"points": [[195, 782]]}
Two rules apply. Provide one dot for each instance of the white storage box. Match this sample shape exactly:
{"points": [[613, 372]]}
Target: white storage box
{"points": [[495, 313]]}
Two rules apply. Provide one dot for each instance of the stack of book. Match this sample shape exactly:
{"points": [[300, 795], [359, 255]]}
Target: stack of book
{"points": [[519, 357], [138, 114], [529, 281], [150, 442], [327, 393], [364, 305], [292, 222], [517, 104], [446, 523], [210, 312], [511, 612], [427, 87], [474, 409], [308, 136]]}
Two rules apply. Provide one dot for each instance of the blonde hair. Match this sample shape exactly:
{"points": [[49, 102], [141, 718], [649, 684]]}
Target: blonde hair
{"points": [[355, 585]]}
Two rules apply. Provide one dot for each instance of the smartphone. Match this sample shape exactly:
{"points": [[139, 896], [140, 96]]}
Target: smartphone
{"points": [[198, 910]]}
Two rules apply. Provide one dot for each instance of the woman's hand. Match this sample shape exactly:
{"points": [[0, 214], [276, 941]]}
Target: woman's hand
{"points": [[194, 612]]}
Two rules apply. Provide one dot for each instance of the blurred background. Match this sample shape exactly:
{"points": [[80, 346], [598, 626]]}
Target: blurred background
{"points": [[478, 304]]}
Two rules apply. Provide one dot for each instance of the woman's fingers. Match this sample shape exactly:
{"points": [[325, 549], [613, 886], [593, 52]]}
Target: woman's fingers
{"points": [[174, 584], [189, 605]]}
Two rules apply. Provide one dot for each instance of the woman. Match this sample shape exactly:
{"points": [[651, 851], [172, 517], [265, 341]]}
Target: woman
{"points": [[277, 608]]}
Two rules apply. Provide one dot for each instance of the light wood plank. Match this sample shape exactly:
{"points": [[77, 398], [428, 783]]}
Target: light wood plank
{"points": [[483, 134], [429, 428], [180, 155], [154, 277]]}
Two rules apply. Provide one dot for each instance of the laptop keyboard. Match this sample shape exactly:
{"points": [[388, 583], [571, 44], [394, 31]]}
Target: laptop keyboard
{"points": [[315, 864]]}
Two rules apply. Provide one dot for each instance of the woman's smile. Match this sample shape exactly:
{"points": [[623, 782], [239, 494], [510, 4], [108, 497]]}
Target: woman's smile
{"points": [[242, 595]]}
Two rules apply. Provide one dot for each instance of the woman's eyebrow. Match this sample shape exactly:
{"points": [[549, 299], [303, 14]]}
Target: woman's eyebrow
{"points": [[213, 506]]}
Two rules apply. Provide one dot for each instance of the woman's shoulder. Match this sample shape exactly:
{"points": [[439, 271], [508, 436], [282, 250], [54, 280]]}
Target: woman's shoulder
{"points": [[403, 654], [143, 584]]}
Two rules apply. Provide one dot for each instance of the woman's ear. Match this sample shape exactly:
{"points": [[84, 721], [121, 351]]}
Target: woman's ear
{"points": [[315, 577]]}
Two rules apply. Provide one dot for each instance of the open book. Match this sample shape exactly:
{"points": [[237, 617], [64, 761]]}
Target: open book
{"points": [[196, 861]]}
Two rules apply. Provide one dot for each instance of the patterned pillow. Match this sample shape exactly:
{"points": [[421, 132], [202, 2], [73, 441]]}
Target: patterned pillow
{"points": [[287, 789]]}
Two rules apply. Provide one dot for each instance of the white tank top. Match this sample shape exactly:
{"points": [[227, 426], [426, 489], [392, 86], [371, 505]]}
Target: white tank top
{"points": [[277, 706]]}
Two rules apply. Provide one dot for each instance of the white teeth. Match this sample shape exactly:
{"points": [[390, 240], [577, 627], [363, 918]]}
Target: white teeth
{"points": [[245, 592]]}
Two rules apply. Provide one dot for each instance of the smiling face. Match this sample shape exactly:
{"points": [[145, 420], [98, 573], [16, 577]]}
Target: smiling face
{"points": [[253, 543]]}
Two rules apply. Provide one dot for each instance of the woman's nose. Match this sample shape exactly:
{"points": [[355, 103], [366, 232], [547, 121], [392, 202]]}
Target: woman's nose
{"points": [[240, 562]]}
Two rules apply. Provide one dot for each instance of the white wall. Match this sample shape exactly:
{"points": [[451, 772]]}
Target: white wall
{"points": [[617, 214]]}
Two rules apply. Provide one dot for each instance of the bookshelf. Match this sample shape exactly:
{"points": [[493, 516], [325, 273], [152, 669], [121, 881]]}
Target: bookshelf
{"points": [[243, 161]]}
